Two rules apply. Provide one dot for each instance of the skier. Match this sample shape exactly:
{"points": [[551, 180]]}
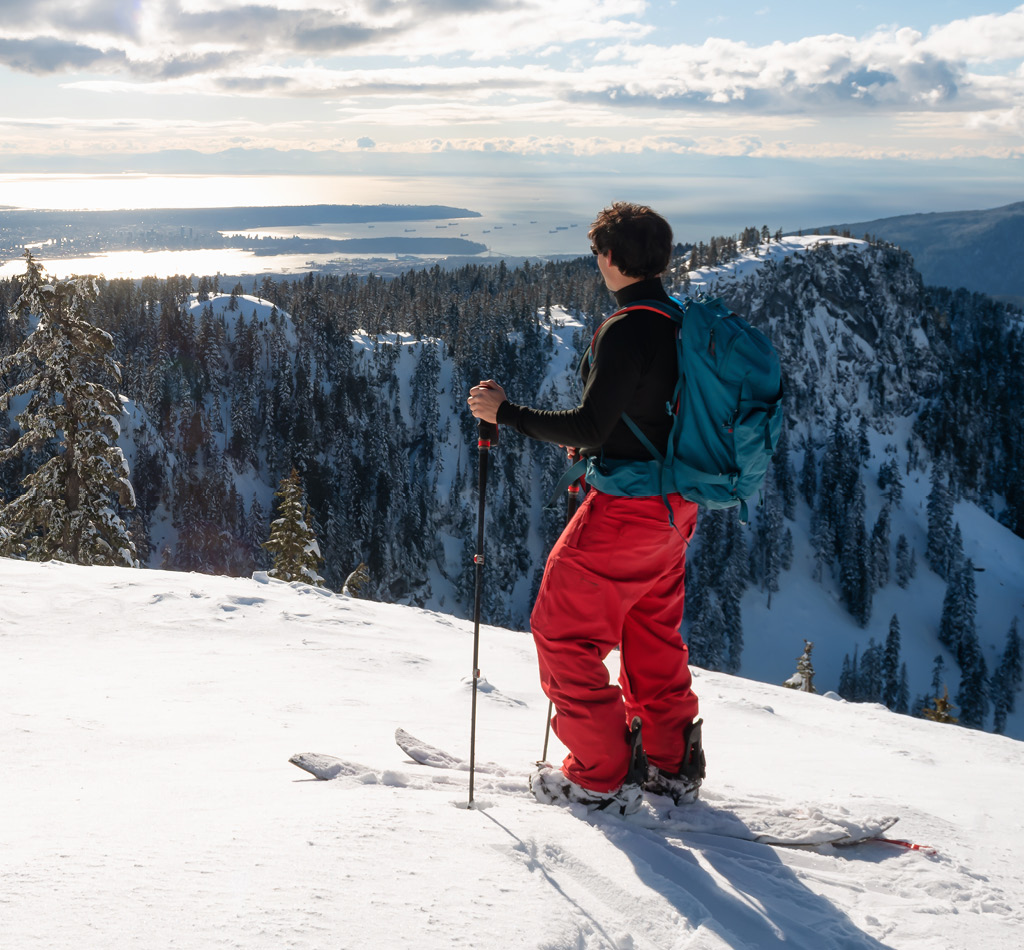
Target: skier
{"points": [[615, 576]]}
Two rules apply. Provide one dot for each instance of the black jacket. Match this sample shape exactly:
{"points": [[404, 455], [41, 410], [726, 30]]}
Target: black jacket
{"points": [[632, 369]]}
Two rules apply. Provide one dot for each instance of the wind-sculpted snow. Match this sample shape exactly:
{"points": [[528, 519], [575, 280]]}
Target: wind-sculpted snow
{"points": [[147, 718]]}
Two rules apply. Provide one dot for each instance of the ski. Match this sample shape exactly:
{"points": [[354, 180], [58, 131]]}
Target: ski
{"points": [[427, 754], [755, 818]]}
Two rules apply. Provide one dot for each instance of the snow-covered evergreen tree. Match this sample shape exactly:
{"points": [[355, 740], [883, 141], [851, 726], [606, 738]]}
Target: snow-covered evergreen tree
{"points": [[68, 507], [863, 445], [940, 524], [292, 541], [889, 478], [809, 473], [731, 585], [855, 574], [880, 549], [848, 677], [870, 680], [1007, 679], [766, 544], [959, 608], [903, 692], [891, 665], [803, 678], [906, 562], [972, 696], [784, 476]]}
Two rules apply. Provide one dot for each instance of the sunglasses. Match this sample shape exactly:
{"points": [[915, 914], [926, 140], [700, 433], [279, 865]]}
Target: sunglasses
{"points": [[594, 249]]}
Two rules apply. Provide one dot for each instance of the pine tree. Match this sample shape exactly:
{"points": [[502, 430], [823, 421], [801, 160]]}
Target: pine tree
{"points": [[940, 524], [849, 688], [880, 549], [942, 710], [784, 476], [808, 473], [959, 610], [955, 552], [903, 692], [969, 605], [766, 544], [972, 696], [803, 678], [706, 636], [890, 480], [855, 579], [786, 550], [1007, 679], [863, 445], [67, 510], [292, 540], [905, 562], [938, 674], [870, 682], [891, 665], [730, 590], [357, 583]]}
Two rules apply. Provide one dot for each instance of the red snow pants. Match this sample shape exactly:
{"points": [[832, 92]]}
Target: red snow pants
{"points": [[615, 579]]}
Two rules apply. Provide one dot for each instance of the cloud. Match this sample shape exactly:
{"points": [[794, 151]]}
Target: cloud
{"points": [[482, 29], [109, 18], [584, 72], [43, 55], [985, 38]]}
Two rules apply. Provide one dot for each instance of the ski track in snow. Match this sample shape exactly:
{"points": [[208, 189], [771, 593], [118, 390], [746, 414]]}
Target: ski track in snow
{"points": [[147, 801]]}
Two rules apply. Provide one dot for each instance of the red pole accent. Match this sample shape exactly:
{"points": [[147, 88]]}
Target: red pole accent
{"points": [[909, 845]]}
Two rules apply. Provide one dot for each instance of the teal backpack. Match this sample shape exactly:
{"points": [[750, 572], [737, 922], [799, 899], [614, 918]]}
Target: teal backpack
{"points": [[727, 414]]}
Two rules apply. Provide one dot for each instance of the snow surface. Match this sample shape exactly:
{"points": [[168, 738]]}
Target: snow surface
{"points": [[147, 801]]}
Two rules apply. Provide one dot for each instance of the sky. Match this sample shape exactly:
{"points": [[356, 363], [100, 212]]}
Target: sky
{"points": [[887, 95]]}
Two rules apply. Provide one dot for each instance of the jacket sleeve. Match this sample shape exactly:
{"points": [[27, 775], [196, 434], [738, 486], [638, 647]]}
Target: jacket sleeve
{"points": [[615, 372]]}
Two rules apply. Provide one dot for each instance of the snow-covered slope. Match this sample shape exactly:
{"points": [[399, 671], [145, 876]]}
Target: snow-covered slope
{"points": [[147, 718]]}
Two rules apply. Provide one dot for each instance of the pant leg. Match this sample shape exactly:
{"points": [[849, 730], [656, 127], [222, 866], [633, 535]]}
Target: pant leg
{"points": [[606, 561], [576, 622], [655, 674]]}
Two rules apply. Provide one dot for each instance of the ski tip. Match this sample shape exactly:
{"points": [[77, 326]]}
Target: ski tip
{"points": [[322, 766]]}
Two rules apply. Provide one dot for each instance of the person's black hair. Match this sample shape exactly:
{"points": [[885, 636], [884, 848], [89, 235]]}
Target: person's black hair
{"points": [[640, 239]]}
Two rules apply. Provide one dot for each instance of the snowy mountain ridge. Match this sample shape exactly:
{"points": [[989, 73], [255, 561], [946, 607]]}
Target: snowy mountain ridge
{"points": [[361, 384]]}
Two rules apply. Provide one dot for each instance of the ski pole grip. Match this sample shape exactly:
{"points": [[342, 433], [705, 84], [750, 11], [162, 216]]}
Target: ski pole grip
{"points": [[487, 433]]}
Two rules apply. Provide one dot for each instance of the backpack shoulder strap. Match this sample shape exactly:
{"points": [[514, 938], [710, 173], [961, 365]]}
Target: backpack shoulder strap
{"points": [[675, 310], [658, 306]]}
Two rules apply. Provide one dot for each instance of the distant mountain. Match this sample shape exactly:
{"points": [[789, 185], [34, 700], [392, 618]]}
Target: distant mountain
{"points": [[979, 250]]}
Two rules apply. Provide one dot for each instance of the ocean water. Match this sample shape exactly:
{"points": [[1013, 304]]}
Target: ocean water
{"points": [[536, 215], [518, 218]]}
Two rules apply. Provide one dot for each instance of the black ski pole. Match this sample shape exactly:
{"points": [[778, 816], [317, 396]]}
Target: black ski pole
{"points": [[572, 500], [487, 436]]}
